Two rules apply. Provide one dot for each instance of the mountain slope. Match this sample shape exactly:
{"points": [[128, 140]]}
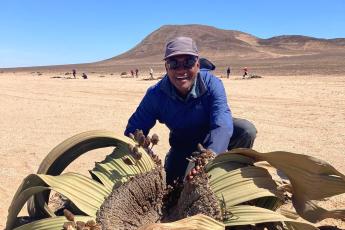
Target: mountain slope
{"points": [[218, 44]]}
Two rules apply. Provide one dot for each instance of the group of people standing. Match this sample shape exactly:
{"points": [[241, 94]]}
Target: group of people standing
{"points": [[203, 61], [136, 72], [74, 73], [245, 72]]}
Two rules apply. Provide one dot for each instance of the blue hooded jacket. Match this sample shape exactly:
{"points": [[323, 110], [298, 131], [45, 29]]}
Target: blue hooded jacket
{"points": [[203, 117]]}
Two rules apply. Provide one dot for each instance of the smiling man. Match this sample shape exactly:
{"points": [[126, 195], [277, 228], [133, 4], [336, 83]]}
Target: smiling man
{"points": [[193, 105]]}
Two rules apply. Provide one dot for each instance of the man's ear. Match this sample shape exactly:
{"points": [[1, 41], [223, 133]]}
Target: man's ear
{"points": [[166, 68]]}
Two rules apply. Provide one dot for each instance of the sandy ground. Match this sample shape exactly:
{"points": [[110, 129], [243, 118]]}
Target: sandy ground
{"points": [[302, 114]]}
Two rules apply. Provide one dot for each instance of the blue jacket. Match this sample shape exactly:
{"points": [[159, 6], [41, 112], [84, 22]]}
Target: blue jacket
{"points": [[203, 117]]}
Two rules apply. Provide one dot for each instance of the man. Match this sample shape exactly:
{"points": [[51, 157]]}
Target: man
{"points": [[228, 72], [151, 73], [245, 72], [193, 105], [74, 72]]}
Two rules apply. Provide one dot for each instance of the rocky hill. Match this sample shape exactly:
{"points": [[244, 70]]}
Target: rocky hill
{"points": [[219, 44], [285, 55]]}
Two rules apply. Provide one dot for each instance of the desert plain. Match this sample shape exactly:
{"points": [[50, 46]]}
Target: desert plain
{"points": [[302, 114]]}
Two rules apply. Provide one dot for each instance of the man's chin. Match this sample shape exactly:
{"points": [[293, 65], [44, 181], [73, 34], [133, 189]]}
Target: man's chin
{"points": [[184, 90]]}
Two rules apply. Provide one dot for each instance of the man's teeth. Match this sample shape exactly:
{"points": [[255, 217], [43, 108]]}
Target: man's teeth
{"points": [[182, 77]]}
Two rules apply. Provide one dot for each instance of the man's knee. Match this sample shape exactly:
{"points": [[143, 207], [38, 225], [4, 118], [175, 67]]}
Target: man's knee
{"points": [[249, 130], [249, 135], [244, 134]]}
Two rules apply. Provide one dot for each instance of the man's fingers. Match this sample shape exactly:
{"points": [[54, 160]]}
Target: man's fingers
{"points": [[193, 172]]}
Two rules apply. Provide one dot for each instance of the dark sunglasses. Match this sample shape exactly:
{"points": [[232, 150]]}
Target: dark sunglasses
{"points": [[187, 63]]}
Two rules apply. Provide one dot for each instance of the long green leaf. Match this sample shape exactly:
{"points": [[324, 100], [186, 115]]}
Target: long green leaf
{"points": [[246, 215], [222, 160], [307, 175], [101, 177], [53, 223], [69, 150], [197, 222], [18, 203], [87, 194], [113, 169], [242, 185]]}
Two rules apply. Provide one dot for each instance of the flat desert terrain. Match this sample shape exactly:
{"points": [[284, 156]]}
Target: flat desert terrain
{"points": [[301, 114]]}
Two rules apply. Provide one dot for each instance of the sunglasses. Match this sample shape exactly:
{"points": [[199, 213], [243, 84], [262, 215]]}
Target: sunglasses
{"points": [[187, 63]]}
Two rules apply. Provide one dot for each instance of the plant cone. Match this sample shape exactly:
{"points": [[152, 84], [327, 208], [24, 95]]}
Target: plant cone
{"points": [[135, 203], [196, 197], [145, 199]]}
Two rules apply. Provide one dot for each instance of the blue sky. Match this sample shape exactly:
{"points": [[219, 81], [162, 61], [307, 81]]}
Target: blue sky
{"points": [[48, 32]]}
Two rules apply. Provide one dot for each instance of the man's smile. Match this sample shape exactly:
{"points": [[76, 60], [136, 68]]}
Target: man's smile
{"points": [[183, 77]]}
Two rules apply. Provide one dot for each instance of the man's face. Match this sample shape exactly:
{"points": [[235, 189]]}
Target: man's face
{"points": [[182, 71]]}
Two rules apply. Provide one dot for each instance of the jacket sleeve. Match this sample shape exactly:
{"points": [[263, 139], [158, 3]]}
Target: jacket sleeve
{"points": [[221, 125], [145, 116]]}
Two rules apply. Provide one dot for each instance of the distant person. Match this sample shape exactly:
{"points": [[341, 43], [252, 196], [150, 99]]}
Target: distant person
{"points": [[136, 72], [151, 73], [228, 72], [74, 72], [245, 72], [132, 73], [84, 76]]}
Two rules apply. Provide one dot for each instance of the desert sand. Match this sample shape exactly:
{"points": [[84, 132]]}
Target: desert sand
{"points": [[301, 114]]}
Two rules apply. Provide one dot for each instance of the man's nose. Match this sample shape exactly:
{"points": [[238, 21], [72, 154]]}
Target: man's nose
{"points": [[180, 66]]}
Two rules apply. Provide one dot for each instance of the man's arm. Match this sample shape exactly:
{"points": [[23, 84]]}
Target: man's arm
{"points": [[221, 125], [145, 116]]}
